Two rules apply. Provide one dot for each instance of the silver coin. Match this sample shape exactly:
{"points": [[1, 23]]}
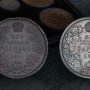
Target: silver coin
{"points": [[38, 3], [9, 4], [23, 47], [75, 47]]}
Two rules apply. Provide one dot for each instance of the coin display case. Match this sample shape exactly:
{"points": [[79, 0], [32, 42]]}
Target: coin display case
{"points": [[53, 75]]}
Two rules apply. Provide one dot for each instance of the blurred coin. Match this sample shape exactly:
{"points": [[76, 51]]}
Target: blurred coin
{"points": [[75, 47], [9, 4], [56, 18], [38, 3], [23, 47]]}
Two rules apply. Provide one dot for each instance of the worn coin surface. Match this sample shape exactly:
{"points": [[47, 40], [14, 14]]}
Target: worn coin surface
{"points": [[56, 18], [9, 4], [75, 47], [38, 3], [23, 47]]}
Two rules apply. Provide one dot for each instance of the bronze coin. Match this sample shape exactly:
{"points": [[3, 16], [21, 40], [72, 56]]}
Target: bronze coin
{"points": [[23, 47], [38, 3], [56, 18]]}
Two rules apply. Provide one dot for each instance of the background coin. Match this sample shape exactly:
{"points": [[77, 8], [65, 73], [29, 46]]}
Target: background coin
{"points": [[23, 47], [38, 3], [75, 47], [56, 18], [9, 4]]}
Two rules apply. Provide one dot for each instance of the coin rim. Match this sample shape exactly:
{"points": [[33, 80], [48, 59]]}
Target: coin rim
{"points": [[46, 48], [18, 7], [61, 51], [41, 6]]}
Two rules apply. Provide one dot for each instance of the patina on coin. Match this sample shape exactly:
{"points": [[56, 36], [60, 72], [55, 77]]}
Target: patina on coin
{"points": [[23, 47], [75, 47], [38, 3], [56, 18], [9, 4]]}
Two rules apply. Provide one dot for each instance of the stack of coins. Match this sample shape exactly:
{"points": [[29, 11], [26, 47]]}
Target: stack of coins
{"points": [[39, 3], [56, 18], [23, 47], [9, 4]]}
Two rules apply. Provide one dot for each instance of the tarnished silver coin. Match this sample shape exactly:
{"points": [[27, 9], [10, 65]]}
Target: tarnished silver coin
{"points": [[75, 47], [23, 47]]}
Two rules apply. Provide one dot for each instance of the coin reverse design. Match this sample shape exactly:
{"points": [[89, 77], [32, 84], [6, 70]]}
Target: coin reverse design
{"points": [[75, 47], [23, 47]]}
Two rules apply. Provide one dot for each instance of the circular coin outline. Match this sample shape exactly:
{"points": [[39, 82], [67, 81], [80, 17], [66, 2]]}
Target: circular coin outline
{"points": [[60, 49], [14, 9], [46, 48], [52, 25], [40, 6]]}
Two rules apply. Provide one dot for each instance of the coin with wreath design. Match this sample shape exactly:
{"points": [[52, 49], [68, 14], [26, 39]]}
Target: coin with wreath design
{"points": [[75, 47]]}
